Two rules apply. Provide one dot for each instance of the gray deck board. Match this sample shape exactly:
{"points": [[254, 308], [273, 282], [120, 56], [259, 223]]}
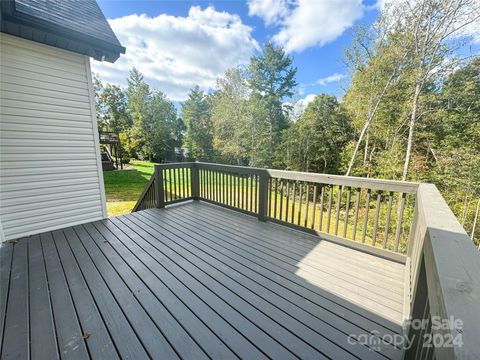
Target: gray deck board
{"points": [[16, 337], [68, 329], [6, 255], [123, 335], [194, 281], [371, 287], [99, 345], [42, 327]]}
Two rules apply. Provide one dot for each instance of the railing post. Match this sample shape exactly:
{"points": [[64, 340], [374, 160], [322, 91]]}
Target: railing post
{"points": [[263, 196], [159, 193], [195, 181]]}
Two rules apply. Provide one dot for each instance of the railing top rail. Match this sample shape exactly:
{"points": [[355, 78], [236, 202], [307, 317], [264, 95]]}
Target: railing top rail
{"points": [[352, 181], [453, 266]]}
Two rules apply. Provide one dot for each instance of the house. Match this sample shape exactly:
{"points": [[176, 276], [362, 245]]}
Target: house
{"points": [[50, 168]]}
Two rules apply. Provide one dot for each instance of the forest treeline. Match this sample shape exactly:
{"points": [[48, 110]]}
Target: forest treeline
{"points": [[410, 112]]}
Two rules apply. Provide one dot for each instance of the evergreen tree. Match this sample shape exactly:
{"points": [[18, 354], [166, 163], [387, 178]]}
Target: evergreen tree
{"points": [[196, 115], [272, 80]]}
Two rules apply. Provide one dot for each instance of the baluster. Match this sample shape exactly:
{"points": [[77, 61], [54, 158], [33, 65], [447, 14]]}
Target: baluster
{"points": [[281, 200], [299, 203], [170, 183], [175, 183], [287, 200], [237, 190], [275, 199], [183, 183], [225, 188], [305, 223], [377, 214], [293, 201], [245, 195], [314, 205], [347, 208], [251, 194], [257, 192], [329, 211], [357, 208], [398, 231], [365, 219], [322, 194], [165, 192], [339, 203], [208, 184]]}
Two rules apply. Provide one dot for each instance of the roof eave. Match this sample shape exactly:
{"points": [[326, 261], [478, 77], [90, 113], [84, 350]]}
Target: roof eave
{"points": [[93, 47]]}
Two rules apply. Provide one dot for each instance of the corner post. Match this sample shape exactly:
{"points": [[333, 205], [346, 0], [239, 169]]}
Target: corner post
{"points": [[263, 196], [195, 181], [159, 193]]}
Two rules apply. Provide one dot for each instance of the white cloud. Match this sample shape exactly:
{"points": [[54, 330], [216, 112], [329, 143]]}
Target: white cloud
{"points": [[176, 53], [330, 79], [297, 108], [306, 23], [271, 11]]}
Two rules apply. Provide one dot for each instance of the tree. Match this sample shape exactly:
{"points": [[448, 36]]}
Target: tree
{"points": [[198, 136], [376, 63], [316, 141], [99, 106], [159, 127], [138, 93], [273, 79], [230, 117], [116, 117], [429, 28]]}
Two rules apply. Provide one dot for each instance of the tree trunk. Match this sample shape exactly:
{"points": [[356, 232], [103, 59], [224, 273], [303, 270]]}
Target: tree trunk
{"points": [[413, 119], [365, 153], [357, 146], [472, 236]]}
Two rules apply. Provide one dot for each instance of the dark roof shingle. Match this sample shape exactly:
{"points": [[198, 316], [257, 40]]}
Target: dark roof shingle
{"points": [[77, 25]]}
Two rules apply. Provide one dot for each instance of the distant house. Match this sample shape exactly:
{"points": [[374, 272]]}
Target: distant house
{"points": [[50, 168]]}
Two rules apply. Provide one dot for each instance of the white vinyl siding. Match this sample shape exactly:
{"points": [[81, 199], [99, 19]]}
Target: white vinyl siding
{"points": [[50, 170]]}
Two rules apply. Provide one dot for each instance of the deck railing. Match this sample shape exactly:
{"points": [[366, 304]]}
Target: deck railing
{"points": [[444, 296], [406, 222], [371, 213]]}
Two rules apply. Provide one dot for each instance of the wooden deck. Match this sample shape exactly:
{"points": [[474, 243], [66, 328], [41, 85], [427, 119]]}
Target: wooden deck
{"points": [[194, 281]]}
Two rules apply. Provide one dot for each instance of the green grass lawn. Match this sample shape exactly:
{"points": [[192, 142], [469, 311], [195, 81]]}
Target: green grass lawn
{"points": [[123, 187]]}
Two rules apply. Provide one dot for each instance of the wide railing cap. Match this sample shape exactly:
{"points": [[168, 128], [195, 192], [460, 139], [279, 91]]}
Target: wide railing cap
{"points": [[350, 181]]}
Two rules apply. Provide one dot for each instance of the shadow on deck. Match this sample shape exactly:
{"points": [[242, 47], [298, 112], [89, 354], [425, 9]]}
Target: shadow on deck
{"points": [[195, 281]]}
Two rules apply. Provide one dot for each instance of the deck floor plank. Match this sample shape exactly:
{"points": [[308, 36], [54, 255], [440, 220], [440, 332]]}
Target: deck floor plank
{"points": [[96, 334], [6, 255], [263, 265], [257, 283], [120, 329], [42, 326], [246, 224], [68, 329], [326, 269], [148, 332], [388, 272], [260, 319], [286, 315], [16, 339], [164, 268], [206, 338], [194, 281]]}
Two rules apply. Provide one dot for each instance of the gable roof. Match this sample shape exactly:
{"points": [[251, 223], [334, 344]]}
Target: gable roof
{"points": [[74, 25]]}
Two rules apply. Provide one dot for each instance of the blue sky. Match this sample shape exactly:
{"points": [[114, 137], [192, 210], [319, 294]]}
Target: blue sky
{"points": [[178, 44]]}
